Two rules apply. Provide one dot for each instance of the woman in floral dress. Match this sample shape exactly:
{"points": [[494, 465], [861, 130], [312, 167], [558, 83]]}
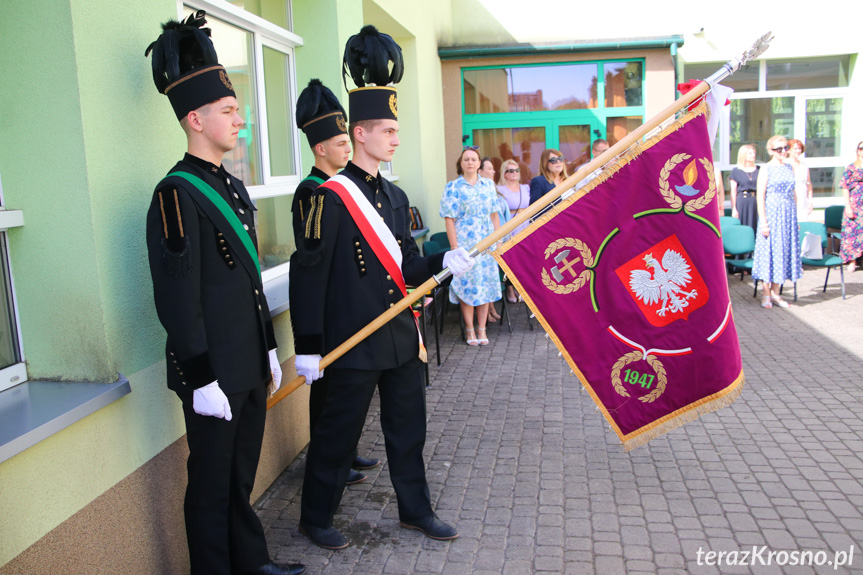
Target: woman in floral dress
{"points": [[852, 223], [469, 208], [777, 243]]}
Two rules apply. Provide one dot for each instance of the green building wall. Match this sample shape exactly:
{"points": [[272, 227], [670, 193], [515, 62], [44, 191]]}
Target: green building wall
{"points": [[86, 138], [91, 137]]}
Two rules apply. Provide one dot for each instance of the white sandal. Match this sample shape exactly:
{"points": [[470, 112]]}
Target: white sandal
{"points": [[470, 336], [483, 340], [777, 300]]}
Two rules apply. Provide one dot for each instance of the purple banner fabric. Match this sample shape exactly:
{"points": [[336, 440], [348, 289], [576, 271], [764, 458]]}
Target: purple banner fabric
{"points": [[628, 278]]}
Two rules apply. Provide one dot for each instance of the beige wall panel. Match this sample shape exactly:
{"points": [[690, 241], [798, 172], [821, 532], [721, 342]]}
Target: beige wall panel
{"points": [[134, 527]]}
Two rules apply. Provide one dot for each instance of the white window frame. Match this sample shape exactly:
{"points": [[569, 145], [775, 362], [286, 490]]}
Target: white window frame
{"points": [[17, 372], [800, 96], [264, 33]]}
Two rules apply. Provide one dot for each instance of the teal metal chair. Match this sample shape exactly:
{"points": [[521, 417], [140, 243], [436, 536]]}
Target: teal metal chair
{"points": [[441, 239], [829, 260], [833, 220], [725, 221], [439, 297], [738, 240], [431, 247], [833, 217]]}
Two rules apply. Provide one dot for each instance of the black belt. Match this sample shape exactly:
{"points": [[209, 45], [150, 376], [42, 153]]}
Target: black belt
{"points": [[746, 194]]}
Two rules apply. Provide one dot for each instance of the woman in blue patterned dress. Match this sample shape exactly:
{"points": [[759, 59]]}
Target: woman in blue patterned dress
{"points": [[777, 243], [469, 208]]}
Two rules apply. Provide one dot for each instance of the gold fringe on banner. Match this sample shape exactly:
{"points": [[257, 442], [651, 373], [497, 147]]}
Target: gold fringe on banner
{"points": [[684, 415]]}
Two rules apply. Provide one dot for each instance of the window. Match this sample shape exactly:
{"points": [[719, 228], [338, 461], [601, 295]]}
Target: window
{"points": [[12, 368], [808, 73], [515, 112], [530, 89], [755, 120], [799, 98], [255, 44], [623, 84]]}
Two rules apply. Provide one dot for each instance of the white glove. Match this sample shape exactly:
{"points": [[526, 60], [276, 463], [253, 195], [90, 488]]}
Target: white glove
{"points": [[276, 370], [211, 400], [458, 261], [309, 366]]}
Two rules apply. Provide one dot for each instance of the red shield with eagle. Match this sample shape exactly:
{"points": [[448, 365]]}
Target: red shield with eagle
{"points": [[664, 283]]}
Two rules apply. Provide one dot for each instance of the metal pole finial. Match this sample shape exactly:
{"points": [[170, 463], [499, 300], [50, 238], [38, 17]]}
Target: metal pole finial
{"points": [[758, 48]]}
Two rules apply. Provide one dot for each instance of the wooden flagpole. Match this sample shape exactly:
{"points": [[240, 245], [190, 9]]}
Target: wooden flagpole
{"points": [[727, 69]]}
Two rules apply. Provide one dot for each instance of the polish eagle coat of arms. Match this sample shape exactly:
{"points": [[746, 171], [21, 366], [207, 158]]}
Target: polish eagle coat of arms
{"points": [[666, 284]]}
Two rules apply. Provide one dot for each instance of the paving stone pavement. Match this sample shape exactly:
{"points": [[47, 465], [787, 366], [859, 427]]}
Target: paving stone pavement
{"points": [[535, 482]]}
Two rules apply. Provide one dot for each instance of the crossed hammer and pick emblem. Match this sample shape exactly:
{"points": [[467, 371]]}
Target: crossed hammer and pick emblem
{"points": [[560, 258]]}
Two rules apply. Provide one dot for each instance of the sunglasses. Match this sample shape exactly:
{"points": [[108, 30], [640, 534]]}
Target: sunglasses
{"points": [[860, 148], [517, 170], [781, 148], [474, 148], [555, 160]]}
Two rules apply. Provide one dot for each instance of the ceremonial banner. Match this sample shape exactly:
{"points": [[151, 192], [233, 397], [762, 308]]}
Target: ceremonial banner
{"points": [[627, 276]]}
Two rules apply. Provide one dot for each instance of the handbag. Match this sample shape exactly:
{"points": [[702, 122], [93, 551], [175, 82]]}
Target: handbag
{"points": [[416, 218], [811, 247]]}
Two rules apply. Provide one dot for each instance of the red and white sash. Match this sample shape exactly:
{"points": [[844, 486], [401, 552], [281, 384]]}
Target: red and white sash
{"points": [[379, 237]]}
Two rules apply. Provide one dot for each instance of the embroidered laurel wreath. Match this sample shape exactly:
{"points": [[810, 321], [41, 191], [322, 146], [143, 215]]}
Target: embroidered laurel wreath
{"points": [[586, 258], [673, 199], [652, 361]]}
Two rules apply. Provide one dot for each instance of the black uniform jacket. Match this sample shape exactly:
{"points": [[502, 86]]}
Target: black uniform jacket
{"points": [[337, 284], [208, 293]]}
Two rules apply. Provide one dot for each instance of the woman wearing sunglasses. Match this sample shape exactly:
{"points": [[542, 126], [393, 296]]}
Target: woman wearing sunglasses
{"points": [[744, 185], [552, 173], [777, 243], [852, 223], [510, 188], [517, 197], [469, 209]]}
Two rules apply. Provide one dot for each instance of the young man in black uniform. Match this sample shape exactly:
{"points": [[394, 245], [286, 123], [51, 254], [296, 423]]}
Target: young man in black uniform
{"points": [[322, 119], [359, 226], [221, 351]]}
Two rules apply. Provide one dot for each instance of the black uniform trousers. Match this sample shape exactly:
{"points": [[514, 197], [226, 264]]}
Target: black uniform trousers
{"points": [[338, 429], [317, 395], [225, 535]]}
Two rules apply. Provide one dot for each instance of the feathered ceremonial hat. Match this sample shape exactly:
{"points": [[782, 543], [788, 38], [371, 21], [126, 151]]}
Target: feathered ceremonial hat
{"points": [[319, 113], [367, 58], [185, 67]]}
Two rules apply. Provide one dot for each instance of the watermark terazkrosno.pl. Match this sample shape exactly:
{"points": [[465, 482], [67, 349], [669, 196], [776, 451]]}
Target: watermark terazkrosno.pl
{"points": [[761, 555]]}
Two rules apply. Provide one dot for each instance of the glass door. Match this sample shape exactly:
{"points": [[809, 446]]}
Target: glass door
{"points": [[574, 142], [522, 144]]}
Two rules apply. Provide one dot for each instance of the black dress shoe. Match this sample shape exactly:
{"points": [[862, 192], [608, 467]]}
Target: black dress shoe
{"points": [[432, 527], [328, 538], [355, 477], [276, 569], [364, 463]]}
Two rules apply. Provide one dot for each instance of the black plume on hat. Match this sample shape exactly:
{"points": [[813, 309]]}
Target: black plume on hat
{"points": [[182, 47], [314, 101], [367, 57]]}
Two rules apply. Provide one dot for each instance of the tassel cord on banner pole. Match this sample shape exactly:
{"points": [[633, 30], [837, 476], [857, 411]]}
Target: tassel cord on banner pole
{"points": [[612, 152]]}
